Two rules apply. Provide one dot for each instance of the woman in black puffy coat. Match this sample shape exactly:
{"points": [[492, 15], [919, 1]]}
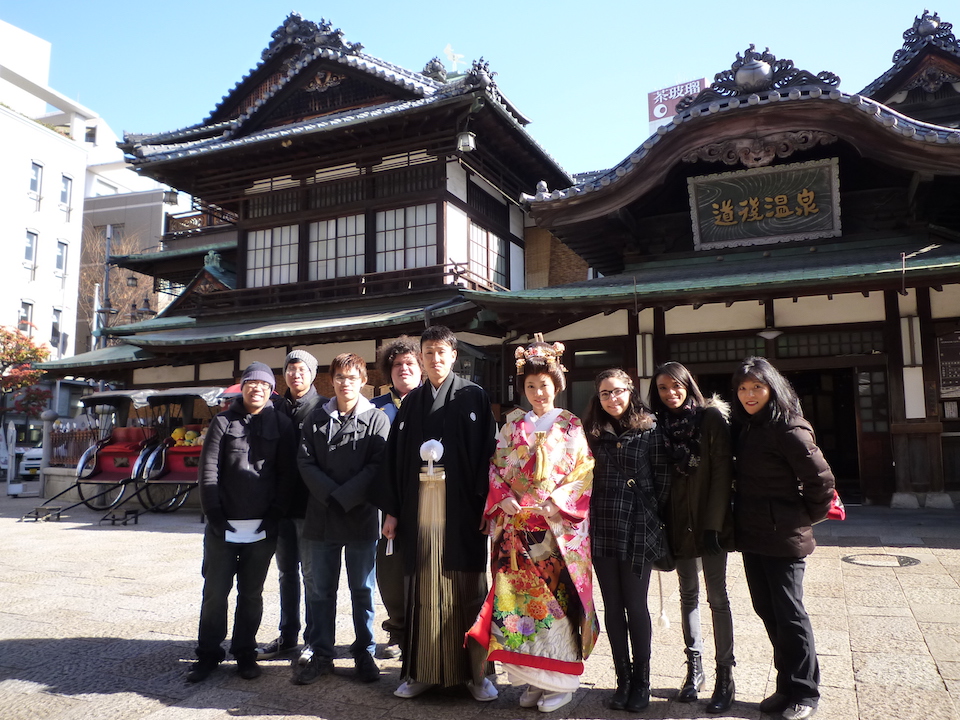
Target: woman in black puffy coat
{"points": [[784, 486]]}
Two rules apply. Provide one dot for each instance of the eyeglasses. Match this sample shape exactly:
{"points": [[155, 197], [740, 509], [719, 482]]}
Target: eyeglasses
{"points": [[343, 379], [615, 393], [257, 384]]}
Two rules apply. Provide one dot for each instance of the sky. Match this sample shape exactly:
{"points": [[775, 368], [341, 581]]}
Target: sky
{"points": [[580, 71]]}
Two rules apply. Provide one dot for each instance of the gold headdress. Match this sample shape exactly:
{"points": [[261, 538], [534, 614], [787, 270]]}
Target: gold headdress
{"points": [[550, 354]]}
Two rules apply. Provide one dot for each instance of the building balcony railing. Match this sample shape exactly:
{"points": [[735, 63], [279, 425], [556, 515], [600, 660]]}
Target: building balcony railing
{"points": [[200, 218], [380, 284]]}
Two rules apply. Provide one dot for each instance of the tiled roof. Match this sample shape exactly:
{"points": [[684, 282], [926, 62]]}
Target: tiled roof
{"points": [[768, 269], [780, 84], [928, 31], [894, 122]]}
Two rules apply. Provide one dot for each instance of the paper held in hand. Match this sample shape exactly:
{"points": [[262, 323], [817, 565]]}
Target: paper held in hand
{"points": [[246, 532]]}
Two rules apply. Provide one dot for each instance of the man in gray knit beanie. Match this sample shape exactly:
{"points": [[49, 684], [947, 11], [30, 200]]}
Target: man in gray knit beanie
{"points": [[308, 360], [297, 403]]}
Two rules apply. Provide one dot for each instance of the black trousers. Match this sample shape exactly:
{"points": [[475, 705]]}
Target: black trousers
{"points": [[625, 615], [776, 589]]}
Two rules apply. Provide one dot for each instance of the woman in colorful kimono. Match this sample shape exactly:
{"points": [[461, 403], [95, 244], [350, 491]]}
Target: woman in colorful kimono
{"points": [[539, 619]]}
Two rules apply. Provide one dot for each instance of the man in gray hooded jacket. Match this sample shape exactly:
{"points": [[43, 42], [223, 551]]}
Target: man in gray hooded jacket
{"points": [[341, 450]]}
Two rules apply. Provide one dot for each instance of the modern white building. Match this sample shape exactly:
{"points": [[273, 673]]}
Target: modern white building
{"points": [[56, 154]]}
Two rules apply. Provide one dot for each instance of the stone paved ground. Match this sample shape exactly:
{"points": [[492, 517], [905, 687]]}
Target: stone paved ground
{"points": [[98, 622]]}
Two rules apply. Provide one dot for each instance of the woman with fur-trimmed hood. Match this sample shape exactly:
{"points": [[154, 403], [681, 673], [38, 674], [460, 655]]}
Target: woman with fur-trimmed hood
{"points": [[699, 519]]}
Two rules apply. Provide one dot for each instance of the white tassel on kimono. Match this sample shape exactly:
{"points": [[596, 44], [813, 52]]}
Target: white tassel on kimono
{"points": [[430, 452], [663, 621]]}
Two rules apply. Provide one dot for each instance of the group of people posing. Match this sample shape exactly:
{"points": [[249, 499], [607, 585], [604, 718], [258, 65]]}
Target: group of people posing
{"points": [[416, 492]]}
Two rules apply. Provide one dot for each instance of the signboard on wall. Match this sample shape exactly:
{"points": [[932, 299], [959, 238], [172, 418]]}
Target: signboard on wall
{"points": [[950, 365], [662, 103], [799, 201]]}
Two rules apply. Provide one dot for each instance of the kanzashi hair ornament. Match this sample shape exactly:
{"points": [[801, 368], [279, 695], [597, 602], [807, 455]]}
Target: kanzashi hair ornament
{"points": [[549, 354]]}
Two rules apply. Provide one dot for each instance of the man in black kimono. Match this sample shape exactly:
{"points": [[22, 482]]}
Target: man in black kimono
{"points": [[437, 520]]}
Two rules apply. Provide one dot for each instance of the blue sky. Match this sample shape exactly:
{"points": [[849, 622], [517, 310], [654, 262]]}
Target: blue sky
{"points": [[580, 71]]}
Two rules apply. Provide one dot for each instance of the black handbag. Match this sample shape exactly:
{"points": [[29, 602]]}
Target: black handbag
{"points": [[666, 562]]}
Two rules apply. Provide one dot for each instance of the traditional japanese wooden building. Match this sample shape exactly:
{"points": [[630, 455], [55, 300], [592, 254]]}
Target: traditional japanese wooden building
{"points": [[340, 200], [343, 200], [776, 215]]}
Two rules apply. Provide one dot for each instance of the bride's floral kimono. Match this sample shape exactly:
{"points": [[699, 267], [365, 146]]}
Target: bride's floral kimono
{"points": [[539, 619]]}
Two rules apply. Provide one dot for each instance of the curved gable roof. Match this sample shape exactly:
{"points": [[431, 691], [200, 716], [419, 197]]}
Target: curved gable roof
{"points": [[759, 97], [929, 37]]}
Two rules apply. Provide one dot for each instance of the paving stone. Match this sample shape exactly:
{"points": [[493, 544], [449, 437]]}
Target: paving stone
{"points": [[894, 670], [104, 625], [905, 704]]}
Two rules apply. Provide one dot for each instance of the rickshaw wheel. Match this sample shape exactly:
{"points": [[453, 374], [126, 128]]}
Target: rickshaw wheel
{"points": [[100, 496], [166, 497]]}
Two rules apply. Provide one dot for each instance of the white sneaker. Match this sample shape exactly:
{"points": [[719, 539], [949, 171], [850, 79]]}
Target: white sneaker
{"points": [[553, 701], [412, 688], [531, 696], [484, 692]]}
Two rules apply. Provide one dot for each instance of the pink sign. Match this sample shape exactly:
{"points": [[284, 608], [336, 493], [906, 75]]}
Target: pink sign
{"points": [[663, 102]]}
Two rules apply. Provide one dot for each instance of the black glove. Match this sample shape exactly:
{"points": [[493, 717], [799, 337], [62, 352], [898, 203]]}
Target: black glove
{"points": [[270, 523], [711, 542], [268, 526], [219, 522]]}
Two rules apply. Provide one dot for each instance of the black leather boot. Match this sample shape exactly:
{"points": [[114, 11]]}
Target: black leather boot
{"points": [[724, 691], [694, 680], [639, 695], [619, 699]]}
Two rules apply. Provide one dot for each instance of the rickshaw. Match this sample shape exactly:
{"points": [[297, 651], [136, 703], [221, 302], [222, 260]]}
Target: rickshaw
{"points": [[169, 470], [124, 439]]}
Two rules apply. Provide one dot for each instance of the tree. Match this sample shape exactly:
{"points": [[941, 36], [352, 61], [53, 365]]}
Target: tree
{"points": [[32, 401], [128, 289], [18, 356]]}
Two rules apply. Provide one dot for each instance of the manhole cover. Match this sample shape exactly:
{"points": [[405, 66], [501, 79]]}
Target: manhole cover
{"points": [[881, 560]]}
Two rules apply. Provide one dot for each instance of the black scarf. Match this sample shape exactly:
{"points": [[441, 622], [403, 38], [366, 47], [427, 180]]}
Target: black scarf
{"points": [[681, 438]]}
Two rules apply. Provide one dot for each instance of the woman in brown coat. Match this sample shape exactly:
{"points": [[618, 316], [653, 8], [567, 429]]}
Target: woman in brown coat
{"points": [[698, 518], [784, 486]]}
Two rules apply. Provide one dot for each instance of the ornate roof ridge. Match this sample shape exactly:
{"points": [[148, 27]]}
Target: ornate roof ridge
{"points": [[322, 39], [754, 72], [927, 30], [890, 119]]}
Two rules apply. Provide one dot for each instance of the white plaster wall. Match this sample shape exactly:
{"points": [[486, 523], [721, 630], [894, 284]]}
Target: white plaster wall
{"points": [[516, 221], [273, 357], [913, 393], [367, 349], [216, 371], [598, 326], [456, 231], [645, 320], [713, 317], [161, 377], [517, 272], [945, 304], [908, 302], [457, 180], [818, 310]]}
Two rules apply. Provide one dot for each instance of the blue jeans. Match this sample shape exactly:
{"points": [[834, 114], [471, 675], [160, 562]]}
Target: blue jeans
{"points": [[715, 578], [322, 583], [222, 562], [289, 562]]}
